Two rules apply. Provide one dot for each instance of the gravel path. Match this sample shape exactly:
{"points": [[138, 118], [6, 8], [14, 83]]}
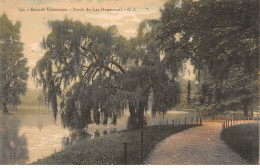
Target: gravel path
{"points": [[199, 145]]}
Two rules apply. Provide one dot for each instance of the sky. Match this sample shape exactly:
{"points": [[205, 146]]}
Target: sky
{"points": [[35, 23]]}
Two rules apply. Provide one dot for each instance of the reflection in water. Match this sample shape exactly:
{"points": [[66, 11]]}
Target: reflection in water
{"points": [[104, 132], [113, 130], [13, 148], [75, 137], [129, 123], [39, 124], [97, 133]]}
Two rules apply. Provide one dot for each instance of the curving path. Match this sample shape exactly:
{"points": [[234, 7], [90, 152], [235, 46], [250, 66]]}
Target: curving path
{"points": [[199, 145]]}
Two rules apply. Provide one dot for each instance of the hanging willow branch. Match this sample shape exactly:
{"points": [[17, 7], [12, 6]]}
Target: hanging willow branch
{"points": [[97, 64]]}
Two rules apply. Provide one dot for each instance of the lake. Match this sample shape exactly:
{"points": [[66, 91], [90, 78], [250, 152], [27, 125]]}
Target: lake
{"points": [[25, 138]]}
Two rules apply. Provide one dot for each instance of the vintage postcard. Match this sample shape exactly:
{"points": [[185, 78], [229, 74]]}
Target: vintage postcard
{"points": [[129, 82]]}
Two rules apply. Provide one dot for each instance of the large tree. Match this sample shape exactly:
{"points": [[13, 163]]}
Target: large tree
{"points": [[98, 73], [220, 38], [13, 70]]}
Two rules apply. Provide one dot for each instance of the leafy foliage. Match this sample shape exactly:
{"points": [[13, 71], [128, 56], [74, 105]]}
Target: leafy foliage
{"points": [[13, 70], [220, 38]]}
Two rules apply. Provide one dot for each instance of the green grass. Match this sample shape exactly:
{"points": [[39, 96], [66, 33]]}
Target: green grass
{"points": [[109, 150], [243, 139]]}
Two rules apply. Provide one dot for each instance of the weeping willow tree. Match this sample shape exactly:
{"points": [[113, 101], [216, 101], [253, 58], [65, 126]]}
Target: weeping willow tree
{"points": [[74, 67], [98, 74], [220, 38]]}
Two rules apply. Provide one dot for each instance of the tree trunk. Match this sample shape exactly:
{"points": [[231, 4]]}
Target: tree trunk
{"points": [[245, 112], [105, 117], [132, 114], [252, 112], [48, 106], [140, 114], [5, 109], [136, 115]]}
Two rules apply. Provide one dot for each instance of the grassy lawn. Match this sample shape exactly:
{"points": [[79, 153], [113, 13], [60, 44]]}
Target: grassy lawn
{"points": [[109, 149], [244, 139]]}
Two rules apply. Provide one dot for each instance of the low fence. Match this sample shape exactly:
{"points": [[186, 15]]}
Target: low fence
{"points": [[234, 121], [234, 117], [248, 146], [137, 146]]}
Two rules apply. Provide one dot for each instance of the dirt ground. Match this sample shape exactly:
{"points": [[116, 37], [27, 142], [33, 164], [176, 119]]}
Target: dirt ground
{"points": [[200, 145]]}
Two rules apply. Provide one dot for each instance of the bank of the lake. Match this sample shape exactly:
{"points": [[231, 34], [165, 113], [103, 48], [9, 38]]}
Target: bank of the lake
{"points": [[109, 149], [44, 136]]}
